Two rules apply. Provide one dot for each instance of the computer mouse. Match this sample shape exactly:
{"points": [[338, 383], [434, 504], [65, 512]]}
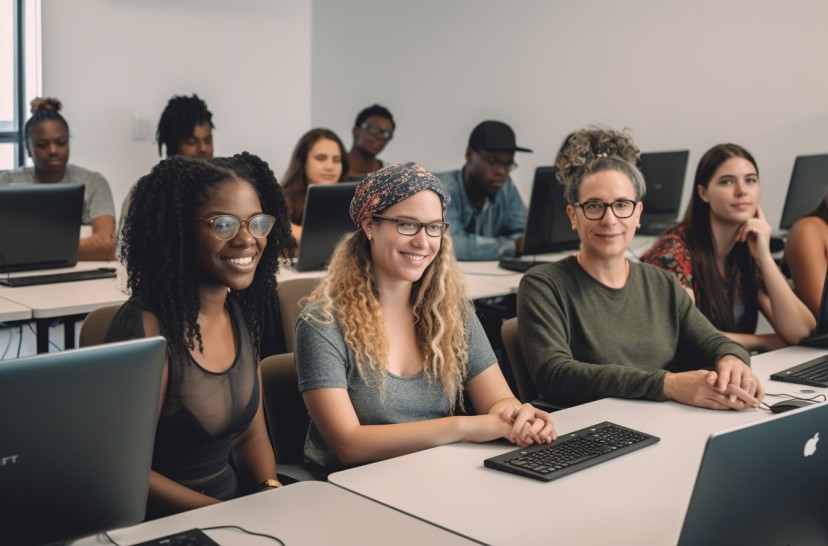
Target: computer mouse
{"points": [[788, 405]]}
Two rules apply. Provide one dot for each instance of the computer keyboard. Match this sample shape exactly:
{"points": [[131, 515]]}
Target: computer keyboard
{"points": [[813, 373], [51, 278], [572, 452], [192, 537], [518, 264]]}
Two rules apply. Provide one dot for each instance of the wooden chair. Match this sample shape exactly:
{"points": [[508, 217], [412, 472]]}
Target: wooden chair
{"points": [[289, 293], [527, 392], [94, 327]]}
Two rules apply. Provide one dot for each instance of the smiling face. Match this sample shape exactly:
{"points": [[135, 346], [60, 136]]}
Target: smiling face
{"points": [[324, 162], [733, 192], [404, 257], [229, 263], [608, 237], [48, 146]]}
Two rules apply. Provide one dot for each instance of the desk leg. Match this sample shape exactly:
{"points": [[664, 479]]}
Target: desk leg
{"points": [[42, 334]]}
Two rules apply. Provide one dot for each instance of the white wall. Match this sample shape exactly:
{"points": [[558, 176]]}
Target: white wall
{"points": [[682, 74], [108, 60]]}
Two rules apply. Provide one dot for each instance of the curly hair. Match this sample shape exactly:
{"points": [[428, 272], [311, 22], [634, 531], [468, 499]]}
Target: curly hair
{"points": [[178, 120], [707, 279], [159, 257], [44, 109], [349, 295], [595, 150], [295, 181]]}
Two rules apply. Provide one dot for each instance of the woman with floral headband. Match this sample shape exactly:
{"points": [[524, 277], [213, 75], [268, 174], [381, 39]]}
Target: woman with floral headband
{"points": [[389, 343]]}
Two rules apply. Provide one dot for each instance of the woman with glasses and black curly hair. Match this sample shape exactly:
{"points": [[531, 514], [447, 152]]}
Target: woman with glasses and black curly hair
{"points": [[201, 243], [596, 325]]}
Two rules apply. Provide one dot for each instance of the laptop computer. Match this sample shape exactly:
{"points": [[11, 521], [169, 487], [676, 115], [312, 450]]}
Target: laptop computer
{"points": [[548, 228], [664, 174], [77, 430], [763, 483], [327, 219], [808, 182], [40, 226]]}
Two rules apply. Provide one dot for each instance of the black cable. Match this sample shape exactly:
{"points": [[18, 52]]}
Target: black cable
{"points": [[244, 531], [815, 398], [19, 340]]}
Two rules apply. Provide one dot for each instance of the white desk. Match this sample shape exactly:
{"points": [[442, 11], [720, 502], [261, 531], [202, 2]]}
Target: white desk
{"points": [[10, 311], [637, 499], [302, 513], [50, 301]]}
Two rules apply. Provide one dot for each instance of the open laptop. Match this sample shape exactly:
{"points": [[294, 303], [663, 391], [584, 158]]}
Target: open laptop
{"points": [[77, 430], [764, 483], [327, 219], [548, 228], [664, 174], [40, 226], [808, 182]]}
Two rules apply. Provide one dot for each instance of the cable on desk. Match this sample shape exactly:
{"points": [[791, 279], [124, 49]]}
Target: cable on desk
{"points": [[275, 539], [815, 398]]}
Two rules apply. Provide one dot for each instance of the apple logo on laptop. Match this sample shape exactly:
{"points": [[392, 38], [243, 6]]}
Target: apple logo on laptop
{"points": [[811, 445]]}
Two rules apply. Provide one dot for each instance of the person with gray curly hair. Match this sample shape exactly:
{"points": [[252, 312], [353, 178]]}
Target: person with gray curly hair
{"points": [[595, 325]]}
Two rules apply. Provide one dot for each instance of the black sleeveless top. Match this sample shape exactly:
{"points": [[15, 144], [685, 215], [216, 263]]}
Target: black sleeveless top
{"points": [[203, 411]]}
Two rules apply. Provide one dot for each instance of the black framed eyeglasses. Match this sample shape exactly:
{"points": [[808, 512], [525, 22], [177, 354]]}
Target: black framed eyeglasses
{"points": [[227, 226], [493, 163], [595, 210], [377, 131], [406, 226]]}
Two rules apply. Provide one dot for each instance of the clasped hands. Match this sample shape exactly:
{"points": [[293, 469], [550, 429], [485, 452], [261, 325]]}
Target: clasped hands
{"points": [[732, 385]]}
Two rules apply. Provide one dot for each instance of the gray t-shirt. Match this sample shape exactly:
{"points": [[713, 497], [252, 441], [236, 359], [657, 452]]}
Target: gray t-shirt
{"points": [[323, 360], [97, 197]]}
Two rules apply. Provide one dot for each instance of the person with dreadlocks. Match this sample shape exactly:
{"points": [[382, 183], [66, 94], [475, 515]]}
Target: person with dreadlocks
{"points": [[388, 342], [201, 245], [185, 129], [47, 143]]}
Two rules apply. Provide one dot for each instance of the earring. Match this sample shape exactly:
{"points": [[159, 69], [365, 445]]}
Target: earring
{"points": [[369, 236], [638, 226], [573, 227]]}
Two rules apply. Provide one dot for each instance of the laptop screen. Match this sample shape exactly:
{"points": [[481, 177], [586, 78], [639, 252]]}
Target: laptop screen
{"points": [[763, 483], [327, 219], [664, 174], [547, 226], [39, 226], [76, 437], [808, 182]]}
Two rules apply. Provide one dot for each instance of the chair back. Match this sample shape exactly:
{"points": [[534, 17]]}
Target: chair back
{"points": [[94, 327], [285, 412], [527, 392], [289, 292]]}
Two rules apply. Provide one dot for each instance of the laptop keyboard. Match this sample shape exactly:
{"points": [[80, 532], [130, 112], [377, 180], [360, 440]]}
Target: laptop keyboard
{"points": [[572, 452], [51, 278], [813, 373]]}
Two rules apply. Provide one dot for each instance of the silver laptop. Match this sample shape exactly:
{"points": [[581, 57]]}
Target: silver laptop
{"points": [[77, 430], [40, 226], [327, 219], [765, 483]]}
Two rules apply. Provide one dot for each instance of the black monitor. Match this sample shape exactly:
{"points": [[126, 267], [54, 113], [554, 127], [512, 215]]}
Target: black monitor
{"points": [[39, 226], [548, 228], [664, 174], [77, 430], [326, 220], [808, 182]]}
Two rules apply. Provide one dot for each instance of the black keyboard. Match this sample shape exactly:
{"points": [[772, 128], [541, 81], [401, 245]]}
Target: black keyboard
{"points": [[51, 278], [572, 452], [813, 373], [517, 264], [193, 537]]}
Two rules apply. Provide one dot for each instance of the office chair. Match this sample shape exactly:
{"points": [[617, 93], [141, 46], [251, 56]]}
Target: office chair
{"points": [[94, 327], [289, 293], [527, 392], [287, 418]]}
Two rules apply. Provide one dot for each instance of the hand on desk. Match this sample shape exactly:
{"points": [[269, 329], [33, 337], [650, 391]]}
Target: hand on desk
{"points": [[522, 425], [731, 386]]}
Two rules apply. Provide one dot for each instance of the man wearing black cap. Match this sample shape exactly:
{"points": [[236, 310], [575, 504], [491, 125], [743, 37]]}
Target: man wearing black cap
{"points": [[486, 213]]}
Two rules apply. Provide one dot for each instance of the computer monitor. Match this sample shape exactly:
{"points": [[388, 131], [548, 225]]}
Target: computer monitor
{"points": [[40, 226], [548, 228], [326, 220], [664, 174], [763, 483], [77, 430], [808, 182]]}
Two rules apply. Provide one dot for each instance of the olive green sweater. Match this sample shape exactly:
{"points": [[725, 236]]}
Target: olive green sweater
{"points": [[582, 340]]}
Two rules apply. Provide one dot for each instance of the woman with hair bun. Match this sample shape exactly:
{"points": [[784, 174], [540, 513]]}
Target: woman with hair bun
{"points": [[47, 143], [201, 245], [720, 254], [389, 343], [596, 325]]}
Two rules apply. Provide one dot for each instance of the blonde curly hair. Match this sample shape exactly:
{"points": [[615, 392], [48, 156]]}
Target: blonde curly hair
{"points": [[350, 297], [597, 149]]}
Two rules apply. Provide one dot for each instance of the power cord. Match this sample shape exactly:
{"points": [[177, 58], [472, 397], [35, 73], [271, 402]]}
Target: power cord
{"points": [[214, 528]]}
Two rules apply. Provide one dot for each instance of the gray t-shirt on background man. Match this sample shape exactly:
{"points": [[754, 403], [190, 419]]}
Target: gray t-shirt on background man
{"points": [[323, 360], [97, 197]]}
